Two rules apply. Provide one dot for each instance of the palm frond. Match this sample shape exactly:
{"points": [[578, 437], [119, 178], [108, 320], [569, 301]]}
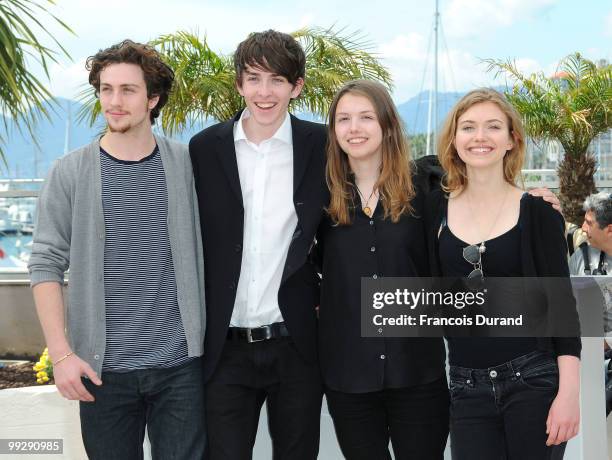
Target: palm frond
{"points": [[205, 80], [23, 96], [573, 69], [333, 58], [573, 106], [90, 105]]}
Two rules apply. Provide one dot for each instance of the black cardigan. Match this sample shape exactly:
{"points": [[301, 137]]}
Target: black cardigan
{"points": [[543, 252]]}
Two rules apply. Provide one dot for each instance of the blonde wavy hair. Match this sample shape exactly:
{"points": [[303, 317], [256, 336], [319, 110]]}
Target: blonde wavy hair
{"points": [[394, 184], [455, 172]]}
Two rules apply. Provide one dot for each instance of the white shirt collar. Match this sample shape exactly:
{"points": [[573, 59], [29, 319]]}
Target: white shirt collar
{"points": [[283, 133]]}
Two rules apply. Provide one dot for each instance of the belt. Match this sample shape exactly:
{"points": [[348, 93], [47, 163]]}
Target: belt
{"points": [[258, 334]]}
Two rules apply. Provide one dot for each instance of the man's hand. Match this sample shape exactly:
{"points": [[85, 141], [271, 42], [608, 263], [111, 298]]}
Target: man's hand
{"points": [[67, 375], [548, 196], [69, 368]]}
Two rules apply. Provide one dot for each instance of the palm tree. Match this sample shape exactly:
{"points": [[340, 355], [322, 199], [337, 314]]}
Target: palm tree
{"points": [[22, 94], [204, 84], [572, 107], [203, 81]]}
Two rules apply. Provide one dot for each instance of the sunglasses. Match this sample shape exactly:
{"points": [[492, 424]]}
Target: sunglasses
{"points": [[473, 255]]}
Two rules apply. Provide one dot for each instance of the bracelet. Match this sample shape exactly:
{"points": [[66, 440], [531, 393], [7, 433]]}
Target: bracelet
{"points": [[63, 358]]}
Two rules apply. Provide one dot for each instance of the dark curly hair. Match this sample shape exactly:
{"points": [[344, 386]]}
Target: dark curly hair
{"points": [[158, 75], [272, 51]]}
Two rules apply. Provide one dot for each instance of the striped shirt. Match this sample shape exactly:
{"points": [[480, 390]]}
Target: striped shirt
{"points": [[143, 322]]}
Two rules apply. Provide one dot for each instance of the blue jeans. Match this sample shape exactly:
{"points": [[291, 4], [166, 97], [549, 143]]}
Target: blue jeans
{"points": [[169, 402], [500, 412]]}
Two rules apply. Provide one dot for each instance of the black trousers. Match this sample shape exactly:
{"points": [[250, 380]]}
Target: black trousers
{"points": [[249, 374], [500, 413], [414, 418]]}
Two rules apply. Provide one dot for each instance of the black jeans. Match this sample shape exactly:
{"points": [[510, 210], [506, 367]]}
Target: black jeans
{"points": [[415, 418], [169, 402], [249, 374], [500, 412]]}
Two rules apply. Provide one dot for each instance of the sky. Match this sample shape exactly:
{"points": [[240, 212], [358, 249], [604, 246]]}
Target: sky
{"points": [[534, 33]]}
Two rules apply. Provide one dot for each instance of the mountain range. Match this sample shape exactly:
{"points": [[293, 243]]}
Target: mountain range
{"points": [[27, 158]]}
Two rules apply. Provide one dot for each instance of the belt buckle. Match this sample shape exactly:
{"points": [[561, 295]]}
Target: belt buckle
{"points": [[249, 334]]}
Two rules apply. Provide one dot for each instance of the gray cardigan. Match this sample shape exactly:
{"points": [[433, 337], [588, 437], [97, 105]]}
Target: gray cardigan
{"points": [[69, 232]]}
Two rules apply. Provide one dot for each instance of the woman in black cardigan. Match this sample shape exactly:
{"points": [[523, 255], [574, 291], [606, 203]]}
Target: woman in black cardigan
{"points": [[511, 397], [378, 389]]}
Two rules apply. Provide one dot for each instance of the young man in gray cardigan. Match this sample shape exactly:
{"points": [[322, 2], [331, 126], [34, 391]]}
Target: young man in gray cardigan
{"points": [[122, 214]]}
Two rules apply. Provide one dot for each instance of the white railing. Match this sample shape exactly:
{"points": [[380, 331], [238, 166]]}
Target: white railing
{"points": [[548, 178], [19, 188]]}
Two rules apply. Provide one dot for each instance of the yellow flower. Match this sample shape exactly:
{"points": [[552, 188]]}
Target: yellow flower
{"points": [[43, 368]]}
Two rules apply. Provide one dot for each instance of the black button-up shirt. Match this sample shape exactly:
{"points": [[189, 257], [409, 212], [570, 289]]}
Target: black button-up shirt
{"points": [[371, 247]]}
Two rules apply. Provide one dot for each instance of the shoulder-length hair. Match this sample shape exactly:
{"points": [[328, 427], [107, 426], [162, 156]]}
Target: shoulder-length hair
{"points": [[394, 184], [455, 172]]}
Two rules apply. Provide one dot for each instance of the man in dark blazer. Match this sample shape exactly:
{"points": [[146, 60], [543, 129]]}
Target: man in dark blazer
{"points": [[260, 179]]}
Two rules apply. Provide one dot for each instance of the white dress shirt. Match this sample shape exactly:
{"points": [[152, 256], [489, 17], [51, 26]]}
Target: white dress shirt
{"points": [[266, 180]]}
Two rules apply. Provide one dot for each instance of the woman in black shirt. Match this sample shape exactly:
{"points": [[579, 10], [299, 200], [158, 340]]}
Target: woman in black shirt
{"points": [[511, 397], [377, 388]]}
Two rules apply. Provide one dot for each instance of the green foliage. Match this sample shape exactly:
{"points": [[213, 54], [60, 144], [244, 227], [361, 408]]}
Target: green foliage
{"points": [[205, 81], [22, 95], [573, 107], [418, 145], [332, 59]]}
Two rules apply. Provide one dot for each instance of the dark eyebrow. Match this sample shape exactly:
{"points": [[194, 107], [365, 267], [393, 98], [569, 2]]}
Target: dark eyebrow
{"points": [[272, 74], [125, 85]]}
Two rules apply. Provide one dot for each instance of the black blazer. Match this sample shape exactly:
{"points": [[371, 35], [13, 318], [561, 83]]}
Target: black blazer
{"points": [[217, 182]]}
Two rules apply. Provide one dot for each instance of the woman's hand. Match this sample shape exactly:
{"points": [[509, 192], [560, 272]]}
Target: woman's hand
{"points": [[563, 420]]}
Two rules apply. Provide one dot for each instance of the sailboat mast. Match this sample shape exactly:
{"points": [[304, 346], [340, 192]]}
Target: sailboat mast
{"points": [[67, 129], [435, 92], [432, 112]]}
